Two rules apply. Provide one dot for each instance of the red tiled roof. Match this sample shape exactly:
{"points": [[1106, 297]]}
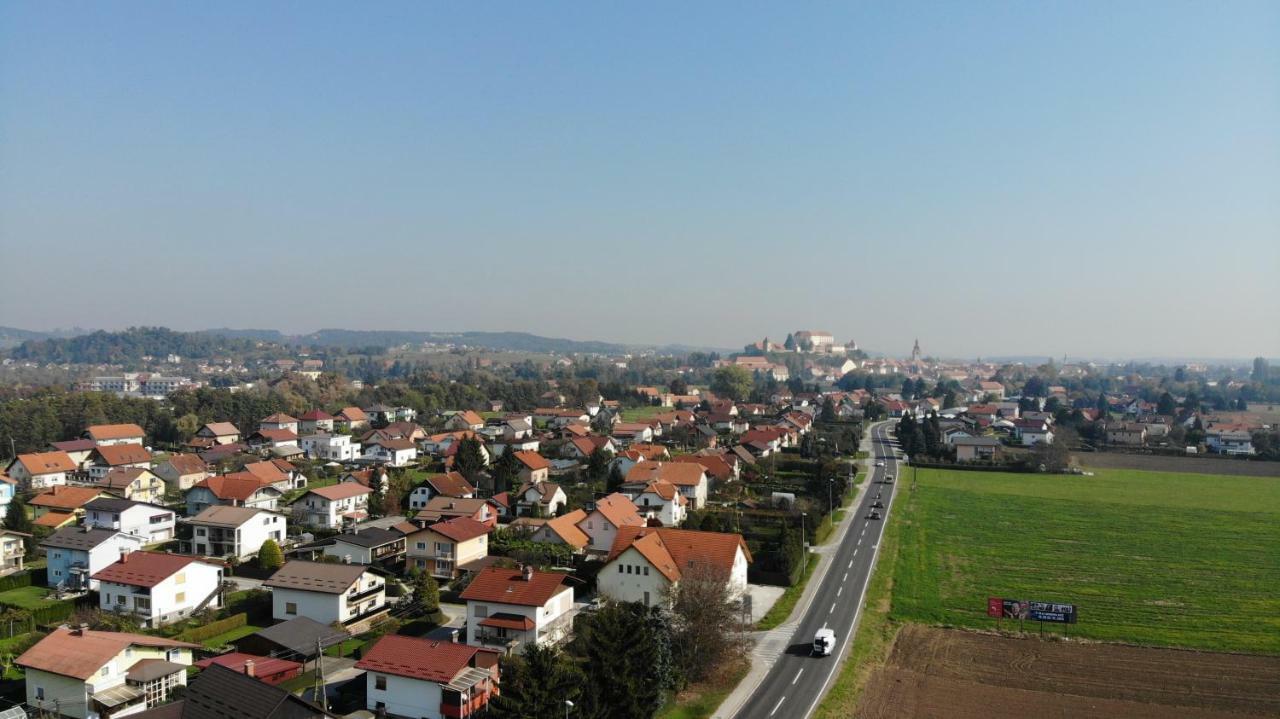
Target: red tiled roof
{"points": [[143, 569], [263, 666], [81, 654], [117, 454], [38, 463], [239, 486], [341, 491], [685, 547], [316, 415], [114, 431], [532, 460], [451, 484], [64, 497], [187, 463], [460, 529], [678, 473], [566, 527], [416, 658], [508, 586], [619, 510], [503, 620]]}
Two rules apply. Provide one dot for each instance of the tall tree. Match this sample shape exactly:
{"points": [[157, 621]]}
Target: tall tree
{"points": [[1261, 369], [16, 520], [705, 621], [536, 684], [828, 410], [615, 478], [598, 464], [1166, 404], [733, 382], [470, 459], [627, 658], [505, 471], [270, 555]]}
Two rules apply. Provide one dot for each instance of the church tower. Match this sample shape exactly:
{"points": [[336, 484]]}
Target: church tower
{"points": [[915, 352]]}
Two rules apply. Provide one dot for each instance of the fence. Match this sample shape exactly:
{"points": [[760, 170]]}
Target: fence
{"points": [[213, 629]]}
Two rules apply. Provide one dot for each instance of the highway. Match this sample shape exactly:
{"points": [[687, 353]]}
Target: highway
{"points": [[796, 682]]}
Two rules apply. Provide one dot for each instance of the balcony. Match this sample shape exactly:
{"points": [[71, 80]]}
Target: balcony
{"points": [[365, 594]]}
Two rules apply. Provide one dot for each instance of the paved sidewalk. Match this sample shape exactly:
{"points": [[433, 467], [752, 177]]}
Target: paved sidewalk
{"points": [[768, 646]]}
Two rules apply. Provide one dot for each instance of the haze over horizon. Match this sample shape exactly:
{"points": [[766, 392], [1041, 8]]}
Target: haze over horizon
{"points": [[1090, 179]]}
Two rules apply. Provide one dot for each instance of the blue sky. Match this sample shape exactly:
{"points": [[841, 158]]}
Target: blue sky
{"points": [[998, 178]]}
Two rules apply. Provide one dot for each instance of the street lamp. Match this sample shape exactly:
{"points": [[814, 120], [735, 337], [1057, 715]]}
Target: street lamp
{"points": [[831, 481], [804, 567], [567, 706]]}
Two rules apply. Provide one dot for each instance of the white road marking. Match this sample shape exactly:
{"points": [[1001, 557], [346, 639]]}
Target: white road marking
{"points": [[832, 609], [851, 561], [839, 590], [775, 706], [845, 578], [855, 553], [793, 681]]}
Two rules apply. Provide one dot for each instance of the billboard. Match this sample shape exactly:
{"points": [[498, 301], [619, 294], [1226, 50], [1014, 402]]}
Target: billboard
{"points": [[999, 608]]}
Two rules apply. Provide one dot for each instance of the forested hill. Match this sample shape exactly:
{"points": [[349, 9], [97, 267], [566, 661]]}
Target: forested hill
{"points": [[510, 341], [129, 346]]}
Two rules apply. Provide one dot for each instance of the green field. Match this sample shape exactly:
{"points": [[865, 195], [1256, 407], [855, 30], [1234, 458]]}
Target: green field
{"points": [[1155, 558], [26, 597], [644, 412]]}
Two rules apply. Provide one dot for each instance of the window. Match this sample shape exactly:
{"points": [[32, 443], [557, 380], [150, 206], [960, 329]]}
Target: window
{"points": [[646, 573], [181, 578], [619, 569], [40, 693], [120, 599], [180, 597], [200, 531], [105, 671], [482, 611], [646, 597], [628, 569], [290, 607], [380, 682], [422, 545]]}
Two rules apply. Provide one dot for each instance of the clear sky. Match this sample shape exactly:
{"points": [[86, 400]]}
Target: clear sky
{"points": [[995, 178]]}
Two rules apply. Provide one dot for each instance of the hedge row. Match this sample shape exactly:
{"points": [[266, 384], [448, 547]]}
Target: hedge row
{"points": [[213, 629], [15, 581]]}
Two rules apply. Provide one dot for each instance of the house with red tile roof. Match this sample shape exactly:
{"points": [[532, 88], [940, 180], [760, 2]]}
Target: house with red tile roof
{"points": [[441, 508], [658, 500], [117, 456], [415, 677], [534, 467], [563, 530], [333, 506], [315, 421], [115, 434], [351, 418], [609, 514], [446, 549], [238, 489], [645, 562], [688, 477], [540, 499], [449, 484], [507, 608], [269, 670], [279, 420], [181, 472], [466, 419], [219, 433], [158, 588], [41, 470]]}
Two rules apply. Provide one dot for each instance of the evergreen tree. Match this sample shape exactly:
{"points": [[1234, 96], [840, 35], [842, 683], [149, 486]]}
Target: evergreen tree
{"points": [[598, 465], [828, 410], [505, 472], [615, 478], [627, 660], [908, 391], [536, 685], [1166, 404], [470, 459], [270, 556], [426, 591]]}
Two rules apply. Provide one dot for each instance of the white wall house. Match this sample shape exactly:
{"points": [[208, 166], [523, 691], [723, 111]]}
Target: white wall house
{"points": [[602, 522], [416, 677], [646, 562], [392, 452], [327, 593], [331, 447], [239, 489], [659, 500], [507, 608], [41, 470], [75, 554], [330, 507], [150, 521], [221, 531], [157, 588]]}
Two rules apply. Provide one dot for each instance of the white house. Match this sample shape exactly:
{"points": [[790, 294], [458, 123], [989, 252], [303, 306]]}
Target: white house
{"points": [[87, 673], [328, 593], [149, 521], [646, 562], [543, 499], [689, 478], [157, 588], [331, 447], [415, 677], [223, 531], [239, 489], [507, 608], [279, 420], [1229, 442], [75, 554], [602, 522], [330, 507], [449, 484], [41, 470], [391, 452], [108, 434], [659, 500]]}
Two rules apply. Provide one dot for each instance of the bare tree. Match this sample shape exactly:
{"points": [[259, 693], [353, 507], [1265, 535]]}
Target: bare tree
{"points": [[705, 615]]}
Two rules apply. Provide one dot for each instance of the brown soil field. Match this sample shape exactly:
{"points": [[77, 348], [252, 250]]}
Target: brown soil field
{"points": [[951, 673], [1194, 465]]}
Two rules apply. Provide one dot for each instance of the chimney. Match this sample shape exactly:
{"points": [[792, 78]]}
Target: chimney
{"points": [[124, 556], [249, 669], [528, 572], [453, 636]]}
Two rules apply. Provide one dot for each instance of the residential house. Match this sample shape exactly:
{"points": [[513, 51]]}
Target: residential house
{"points": [[61, 505], [219, 691], [441, 508], [688, 477], [87, 673], [117, 456], [302, 638], [562, 530], [158, 588], [446, 549], [660, 500], [279, 421], [268, 670], [581, 448], [152, 522], [391, 452], [181, 472], [108, 434], [77, 449], [315, 421], [465, 419], [13, 550], [1123, 433], [449, 484], [135, 483], [331, 447], [508, 608], [278, 473], [646, 562], [8, 488], [75, 554], [271, 439], [239, 489], [540, 499], [366, 477], [348, 594], [219, 433], [609, 514], [626, 433], [369, 545], [233, 532], [969, 449], [428, 678], [534, 467], [40, 470], [995, 390], [1232, 442], [333, 506]]}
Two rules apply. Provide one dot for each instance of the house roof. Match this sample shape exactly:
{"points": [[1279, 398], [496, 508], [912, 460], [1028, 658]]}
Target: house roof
{"points": [[81, 653], [619, 510], [38, 463], [114, 431], [664, 490], [223, 515], [450, 507], [279, 418], [277, 435], [679, 549], [395, 445], [144, 569], [78, 537], [678, 473], [316, 415], [460, 529], [316, 576], [566, 527], [122, 477], [352, 414], [267, 472], [343, 490], [300, 634], [263, 666], [114, 455], [187, 464], [369, 537], [508, 586], [429, 660], [714, 465], [470, 417], [546, 491], [221, 429], [65, 497], [222, 693], [506, 620], [53, 519], [450, 484], [115, 504], [74, 445], [239, 486], [532, 460], [976, 442]]}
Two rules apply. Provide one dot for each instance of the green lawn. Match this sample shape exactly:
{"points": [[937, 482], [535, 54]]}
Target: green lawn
{"points": [[781, 609], [26, 597], [1157, 558], [230, 636], [637, 414]]}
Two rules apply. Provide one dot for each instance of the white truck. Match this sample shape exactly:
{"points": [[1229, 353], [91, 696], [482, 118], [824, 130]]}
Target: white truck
{"points": [[824, 642]]}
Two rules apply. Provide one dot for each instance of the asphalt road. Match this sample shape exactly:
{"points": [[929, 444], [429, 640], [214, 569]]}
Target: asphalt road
{"points": [[797, 681]]}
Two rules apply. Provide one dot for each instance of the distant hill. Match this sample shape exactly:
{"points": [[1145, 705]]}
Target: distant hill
{"points": [[128, 346], [260, 335], [508, 341], [12, 336]]}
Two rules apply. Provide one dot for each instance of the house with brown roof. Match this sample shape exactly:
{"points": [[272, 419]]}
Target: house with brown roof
{"points": [[534, 467], [158, 588], [562, 530], [348, 594], [279, 420], [446, 549], [415, 677], [609, 514], [271, 438], [333, 506], [219, 433], [233, 532], [540, 499], [449, 484], [77, 449], [658, 500], [688, 477], [181, 472], [107, 434], [63, 502], [117, 456], [465, 419], [441, 508], [85, 672], [645, 562], [315, 421], [279, 473], [581, 448], [507, 608], [391, 452], [40, 470], [135, 483], [238, 489]]}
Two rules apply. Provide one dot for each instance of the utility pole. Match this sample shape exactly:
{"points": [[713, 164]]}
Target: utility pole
{"points": [[320, 699]]}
